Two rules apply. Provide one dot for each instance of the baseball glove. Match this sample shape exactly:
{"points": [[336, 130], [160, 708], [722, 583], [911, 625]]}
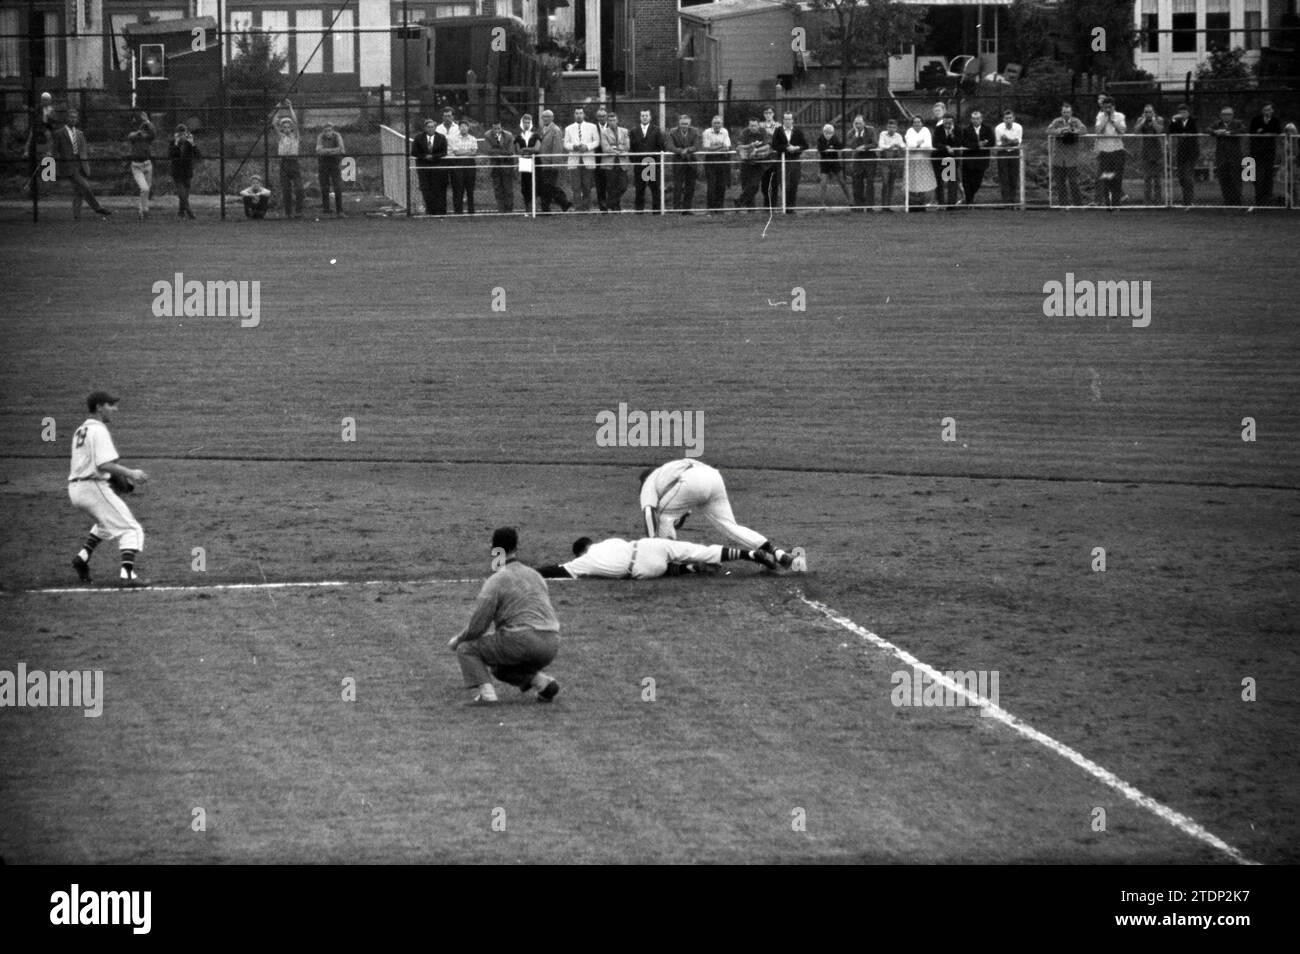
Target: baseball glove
{"points": [[120, 484]]}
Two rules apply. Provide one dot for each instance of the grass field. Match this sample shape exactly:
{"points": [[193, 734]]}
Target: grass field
{"points": [[970, 554]]}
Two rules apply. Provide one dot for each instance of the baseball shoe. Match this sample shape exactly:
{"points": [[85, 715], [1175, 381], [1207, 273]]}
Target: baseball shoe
{"points": [[550, 692], [132, 582], [767, 559], [799, 563], [82, 568], [479, 700]]}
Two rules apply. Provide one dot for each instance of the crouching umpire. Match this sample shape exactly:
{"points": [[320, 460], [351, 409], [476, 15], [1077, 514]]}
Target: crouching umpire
{"points": [[526, 633]]}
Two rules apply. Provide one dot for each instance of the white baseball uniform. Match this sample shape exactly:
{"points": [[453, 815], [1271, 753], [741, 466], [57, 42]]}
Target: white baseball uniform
{"points": [[88, 488], [687, 486], [641, 559]]}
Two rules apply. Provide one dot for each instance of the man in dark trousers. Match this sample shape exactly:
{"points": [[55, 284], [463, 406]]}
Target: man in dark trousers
{"points": [[789, 142], [646, 141], [949, 143], [514, 603], [183, 154], [1186, 150], [429, 151], [978, 141], [684, 143], [1265, 130], [1228, 133], [72, 162], [860, 154]]}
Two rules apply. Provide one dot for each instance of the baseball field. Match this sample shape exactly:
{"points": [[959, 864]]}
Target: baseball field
{"points": [[1074, 512]]}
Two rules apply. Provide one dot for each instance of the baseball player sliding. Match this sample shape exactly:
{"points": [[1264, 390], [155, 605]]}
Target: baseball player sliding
{"points": [[94, 458], [672, 492], [645, 559]]}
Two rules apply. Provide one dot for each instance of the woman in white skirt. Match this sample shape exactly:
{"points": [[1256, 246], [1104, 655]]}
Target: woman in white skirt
{"points": [[921, 184]]}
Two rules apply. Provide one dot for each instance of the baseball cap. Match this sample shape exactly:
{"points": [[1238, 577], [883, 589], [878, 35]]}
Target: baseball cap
{"points": [[96, 398]]}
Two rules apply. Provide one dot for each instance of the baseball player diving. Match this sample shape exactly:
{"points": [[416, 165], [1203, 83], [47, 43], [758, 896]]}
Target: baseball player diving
{"points": [[94, 459], [673, 491], [647, 558]]}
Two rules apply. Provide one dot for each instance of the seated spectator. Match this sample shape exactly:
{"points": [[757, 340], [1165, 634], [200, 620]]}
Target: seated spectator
{"points": [[257, 198]]}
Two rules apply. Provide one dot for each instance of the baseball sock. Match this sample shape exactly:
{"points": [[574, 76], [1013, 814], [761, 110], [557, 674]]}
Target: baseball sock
{"points": [[128, 563], [84, 553], [782, 557], [737, 553]]}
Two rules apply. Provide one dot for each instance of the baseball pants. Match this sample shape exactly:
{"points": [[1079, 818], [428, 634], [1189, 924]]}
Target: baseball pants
{"points": [[651, 558], [514, 656], [702, 491], [112, 517]]}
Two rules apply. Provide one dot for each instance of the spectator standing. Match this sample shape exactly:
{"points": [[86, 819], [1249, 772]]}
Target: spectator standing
{"points": [[860, 154], [920, 146], [499, 147], [716, 146], [462, 147], [329, 168], [1265, 129], [830, 165], [1186, 149], [139, 144], [292, 193], [892, 150], [183, 153], [1007, 137], [581, 141], [1065, 134], [1110, 128], [528, 143], [612, 162], [1151, 154], [684, 143], [1228, 153]]}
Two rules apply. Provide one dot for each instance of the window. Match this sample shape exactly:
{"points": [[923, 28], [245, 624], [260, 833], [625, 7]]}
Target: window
{"points": [[241, 21], [9, 44], [275, 23], [454, 10], [1184, 26], [1217, 19], [1254, 38], [1150, 26], [308, 25], [53, 45], [344, 44]]}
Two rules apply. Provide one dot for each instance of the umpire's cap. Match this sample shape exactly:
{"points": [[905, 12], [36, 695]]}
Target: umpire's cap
{"points": [[580, 545], [97, 398], [507, 538]]}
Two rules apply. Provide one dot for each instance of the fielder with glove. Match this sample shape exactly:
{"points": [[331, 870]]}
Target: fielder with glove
{"points": [[95, 484]]}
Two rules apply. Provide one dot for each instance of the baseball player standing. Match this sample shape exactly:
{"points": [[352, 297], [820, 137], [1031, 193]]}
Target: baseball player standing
{"points": [[93, 458], [671, 492]]}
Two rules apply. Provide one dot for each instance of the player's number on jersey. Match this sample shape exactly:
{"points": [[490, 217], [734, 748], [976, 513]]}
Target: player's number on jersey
{"points": [[81, 437]]}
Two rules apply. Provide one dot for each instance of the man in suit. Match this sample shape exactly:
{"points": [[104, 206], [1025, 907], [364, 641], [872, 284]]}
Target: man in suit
{"points": [[1265, 130], [978, 141], [789, 142], [550, 148], [646, 142], [949, 144], [860, 151], [935, 123], [429, 151], [684, 142], [528, 144], [581, 141], [72, 157], [1186, 150], [499, 147], [611, 169], [1228, 135]]}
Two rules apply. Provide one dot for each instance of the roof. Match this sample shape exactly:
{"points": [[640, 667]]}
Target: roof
{"points": [[164, 27], [725, 9]]}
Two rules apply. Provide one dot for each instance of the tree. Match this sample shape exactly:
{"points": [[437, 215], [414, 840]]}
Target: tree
{"points": [[860, 33]]}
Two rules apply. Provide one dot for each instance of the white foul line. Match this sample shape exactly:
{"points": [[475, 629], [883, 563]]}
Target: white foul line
{"points": [[993, 711], [110, 588]]}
